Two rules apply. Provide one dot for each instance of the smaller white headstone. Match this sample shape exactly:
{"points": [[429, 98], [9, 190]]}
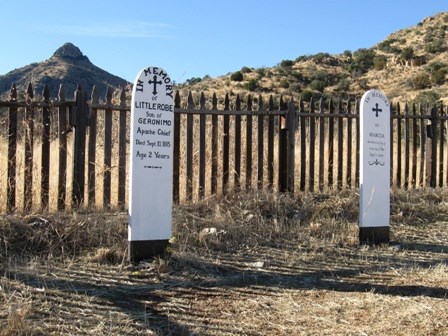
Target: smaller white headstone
{"points": [[374, 179], [151, 164]]}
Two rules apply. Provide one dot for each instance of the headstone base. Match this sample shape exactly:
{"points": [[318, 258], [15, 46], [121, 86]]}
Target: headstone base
{"points": [[139, 250], [374, 235]]}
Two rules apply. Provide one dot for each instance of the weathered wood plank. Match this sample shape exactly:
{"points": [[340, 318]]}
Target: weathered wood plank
{"points": [[226, 146], [312, 148], [12, 152], [189, 153], [349, 146], [357, 108], [321, 146], [29, 150], [407, 150], [237, 173], [423, 139], [122, 126], [45, 156], [215, 147], [249, 145], [331, 121], [202, 147], [260, 142], [91, 175], [176, 150], [340, 164], [80, 121], [107, 163], [442, 142], [63, 129], [291, 126], [399, 147], [271, 136], [414, 146], [303, 159], [282, 152]]}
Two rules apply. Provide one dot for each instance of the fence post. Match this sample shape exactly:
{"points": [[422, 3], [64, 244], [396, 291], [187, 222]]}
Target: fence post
{"points": [[91, 174], [431, 152], [45, 160], [12, 152], [80, 118], [176, 149], [237, 170], [202, 147], [260, 141], [282, 153], [291, 125], [107, 138], [226, 146], [121, 151], [189, 153], [29, 149], [63, 129]]}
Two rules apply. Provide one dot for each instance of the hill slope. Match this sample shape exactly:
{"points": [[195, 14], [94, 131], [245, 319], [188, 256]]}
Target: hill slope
{"points": [[410, 64], [69, 66]]}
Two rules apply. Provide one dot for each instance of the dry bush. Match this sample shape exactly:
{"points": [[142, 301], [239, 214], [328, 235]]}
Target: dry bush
{"points": [[264, 218], [16, 307], [62, 235]]}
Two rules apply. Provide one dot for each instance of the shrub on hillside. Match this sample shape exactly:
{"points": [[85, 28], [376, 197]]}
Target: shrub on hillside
{"points": [[261, 71], [284, 84], [420, 81], [237, 76], [286, 63], [324, 58], [318, 85], [436, 46], [251, 85], [347, 53], [362, 60], [306, 95], [387, 46], [437, 71], [438, 77], [343, 85], [427, 98], [407, 53], [379, 63], [193, 80], [246, 70]]}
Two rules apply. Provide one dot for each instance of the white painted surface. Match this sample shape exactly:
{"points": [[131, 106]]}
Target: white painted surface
{"points": [[374, 160], [151, 161]]}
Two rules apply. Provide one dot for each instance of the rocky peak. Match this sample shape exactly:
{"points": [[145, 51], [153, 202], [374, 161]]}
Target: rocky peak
{"points": [[69, 51]]}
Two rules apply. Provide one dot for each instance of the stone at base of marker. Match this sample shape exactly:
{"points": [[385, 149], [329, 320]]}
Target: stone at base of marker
{"points": [[374, 235], [139, 250]]}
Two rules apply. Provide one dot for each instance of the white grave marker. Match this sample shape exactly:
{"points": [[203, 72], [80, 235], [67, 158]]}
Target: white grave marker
{"points": [[151, 164], [374, 178]]}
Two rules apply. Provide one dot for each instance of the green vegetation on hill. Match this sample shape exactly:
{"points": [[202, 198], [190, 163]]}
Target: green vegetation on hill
{"points": [[409, 65]]}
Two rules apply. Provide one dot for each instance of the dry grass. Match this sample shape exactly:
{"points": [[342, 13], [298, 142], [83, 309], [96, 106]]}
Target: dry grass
{"points": [[248, 264]]}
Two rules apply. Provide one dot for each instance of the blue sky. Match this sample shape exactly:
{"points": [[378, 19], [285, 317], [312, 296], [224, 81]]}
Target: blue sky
{"points": [[194, 38]]}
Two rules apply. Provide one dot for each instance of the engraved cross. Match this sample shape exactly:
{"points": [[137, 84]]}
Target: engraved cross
{"points": [[376, 110], [155, 82]]}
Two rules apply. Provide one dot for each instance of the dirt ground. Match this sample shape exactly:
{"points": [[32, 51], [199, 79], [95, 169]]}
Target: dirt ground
{"points": [[262, 272]]}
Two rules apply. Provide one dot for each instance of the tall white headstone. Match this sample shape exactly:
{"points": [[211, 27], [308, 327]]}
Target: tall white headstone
{"points": [[151, 164], [375, 166]]}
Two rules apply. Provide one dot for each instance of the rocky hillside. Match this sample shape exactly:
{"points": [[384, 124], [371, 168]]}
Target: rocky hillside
{"points": [[409, 65], [69, 66]]}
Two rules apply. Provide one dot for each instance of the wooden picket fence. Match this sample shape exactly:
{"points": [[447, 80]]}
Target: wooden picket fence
{"points": [[61, 154]]}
